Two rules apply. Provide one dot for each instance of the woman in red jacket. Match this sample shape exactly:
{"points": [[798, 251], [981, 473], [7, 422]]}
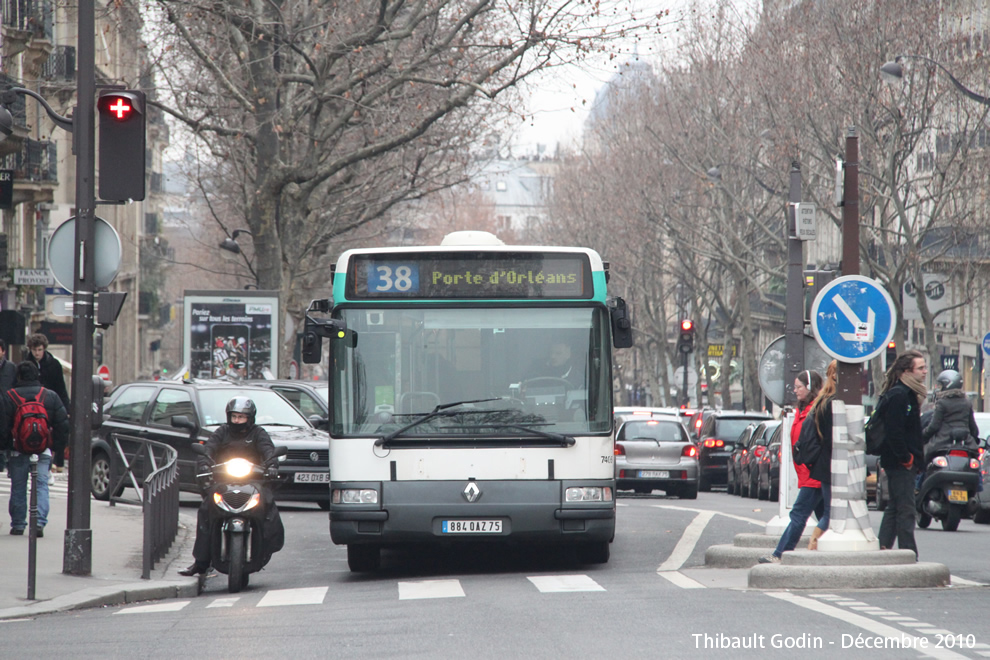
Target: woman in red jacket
{"points": [[807, 386]]}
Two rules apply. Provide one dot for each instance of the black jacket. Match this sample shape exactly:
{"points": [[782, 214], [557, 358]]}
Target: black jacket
{"points": [[222, 445], [58, 420], [952, 412], [822, 467], [51, 376], [902, 423], [8, 375]]}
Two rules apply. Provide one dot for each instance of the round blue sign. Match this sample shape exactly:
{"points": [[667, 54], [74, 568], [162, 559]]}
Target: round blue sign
{"points": [[986, 343], [853, 318]]}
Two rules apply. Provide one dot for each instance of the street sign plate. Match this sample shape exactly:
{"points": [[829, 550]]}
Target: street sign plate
{"points": [[853, 318], [33, 277], [807, 227]]}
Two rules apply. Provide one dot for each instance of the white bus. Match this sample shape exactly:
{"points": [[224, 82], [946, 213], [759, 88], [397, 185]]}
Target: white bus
{"points": [[470, 396]]}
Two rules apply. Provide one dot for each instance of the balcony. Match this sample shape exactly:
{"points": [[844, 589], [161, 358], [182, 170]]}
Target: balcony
{"points": [[60, 67], [35, 17], [35, 169]]}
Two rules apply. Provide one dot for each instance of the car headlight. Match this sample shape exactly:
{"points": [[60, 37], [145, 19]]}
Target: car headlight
{"points": [[355, 496], [589, 494], [239, 468]]}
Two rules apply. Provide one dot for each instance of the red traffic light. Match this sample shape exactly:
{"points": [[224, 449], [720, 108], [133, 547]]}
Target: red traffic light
{"points": [[120, 106], [891, 344], [687, 325]]}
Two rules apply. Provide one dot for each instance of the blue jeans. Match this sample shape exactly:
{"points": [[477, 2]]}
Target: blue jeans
{"points": [[20, 466], [807, 500]]}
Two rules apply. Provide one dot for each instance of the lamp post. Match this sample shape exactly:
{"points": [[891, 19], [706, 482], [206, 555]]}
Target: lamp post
{"points": [[78, 543], [230, 244], [894, 72]]}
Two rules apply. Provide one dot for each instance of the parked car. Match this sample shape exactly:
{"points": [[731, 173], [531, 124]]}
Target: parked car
{"points": [[768, 471], [311, 398], [697, 421], [979, 506], [656, 453], [733, 468], [749, 465], [716, 440], [179, 413]]}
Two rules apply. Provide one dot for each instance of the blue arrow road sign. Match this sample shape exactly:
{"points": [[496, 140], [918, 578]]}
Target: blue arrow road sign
{"points": [[853, 318], [986, 343]]}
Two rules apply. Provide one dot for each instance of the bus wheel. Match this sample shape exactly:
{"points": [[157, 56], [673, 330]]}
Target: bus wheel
{"points": [[593, 553], [363, 558]]}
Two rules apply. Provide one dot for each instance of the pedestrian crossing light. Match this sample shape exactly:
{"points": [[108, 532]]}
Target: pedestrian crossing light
{"points": [[891, 352], [685, 341], [122, 144]]}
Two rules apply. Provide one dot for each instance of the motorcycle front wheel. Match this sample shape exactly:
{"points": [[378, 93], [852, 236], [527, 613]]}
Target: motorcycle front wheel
{"points": [[924, 520], [236, 551]]}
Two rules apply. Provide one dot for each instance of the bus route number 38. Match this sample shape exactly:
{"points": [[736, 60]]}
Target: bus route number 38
{"points": [[384, 278]]}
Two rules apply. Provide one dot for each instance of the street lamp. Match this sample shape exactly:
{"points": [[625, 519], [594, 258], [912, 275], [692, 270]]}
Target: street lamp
{"points": [[230, 243], [893, 72]]}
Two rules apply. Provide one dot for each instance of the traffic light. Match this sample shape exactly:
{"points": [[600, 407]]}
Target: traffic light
{"points": [[814, 281], [685, 341], [122, 144], [891, 352]]}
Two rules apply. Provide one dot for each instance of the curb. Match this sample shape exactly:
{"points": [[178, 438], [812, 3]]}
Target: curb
{"points": [[118, 594], [903, 576]]}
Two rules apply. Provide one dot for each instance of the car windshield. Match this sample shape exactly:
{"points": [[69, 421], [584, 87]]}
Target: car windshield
{"points": [[729, 429], [407, 361], [272, 409], [655, 430]]}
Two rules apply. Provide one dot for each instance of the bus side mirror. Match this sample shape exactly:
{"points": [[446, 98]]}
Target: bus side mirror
{"points": [[312, 348], [621, 325]]}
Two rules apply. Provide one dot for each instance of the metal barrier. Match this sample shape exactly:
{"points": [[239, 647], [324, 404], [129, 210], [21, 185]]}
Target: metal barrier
{"points": [[151, 468]]}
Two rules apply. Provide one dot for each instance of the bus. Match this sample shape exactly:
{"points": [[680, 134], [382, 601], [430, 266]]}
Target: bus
{"points": [[470, 389]]}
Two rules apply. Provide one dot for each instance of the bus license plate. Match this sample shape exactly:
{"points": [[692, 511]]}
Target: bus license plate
{"points": [[312, 478], [471, 526], [654, 474], [958, 496]]}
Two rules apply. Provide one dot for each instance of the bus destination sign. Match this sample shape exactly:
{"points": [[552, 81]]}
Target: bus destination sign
{"points": [[517, 275]]}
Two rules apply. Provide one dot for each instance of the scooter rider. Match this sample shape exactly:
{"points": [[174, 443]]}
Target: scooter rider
{"points": [[953, 412], [238, 438]]}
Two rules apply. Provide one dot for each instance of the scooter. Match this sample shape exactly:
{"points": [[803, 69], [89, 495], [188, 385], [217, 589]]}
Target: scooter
{"points": [[950, 481], [239, 515]]}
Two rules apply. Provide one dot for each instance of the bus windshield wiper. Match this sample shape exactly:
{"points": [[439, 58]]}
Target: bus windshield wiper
{"points": [[564, 440], [442, 410]]}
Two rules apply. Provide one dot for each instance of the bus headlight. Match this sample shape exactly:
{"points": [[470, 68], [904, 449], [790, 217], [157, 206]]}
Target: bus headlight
{"points": [[355, 496], [592, 494]]}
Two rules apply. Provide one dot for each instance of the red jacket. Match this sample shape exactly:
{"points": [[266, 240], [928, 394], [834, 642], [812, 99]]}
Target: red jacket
{"points": [[803, 471]]}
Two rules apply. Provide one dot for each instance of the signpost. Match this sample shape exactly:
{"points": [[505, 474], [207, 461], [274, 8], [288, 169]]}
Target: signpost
{"points": [[853, 318]]}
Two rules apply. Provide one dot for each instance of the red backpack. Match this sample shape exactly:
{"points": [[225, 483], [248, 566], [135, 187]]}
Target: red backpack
{"points": [[32, 434]]}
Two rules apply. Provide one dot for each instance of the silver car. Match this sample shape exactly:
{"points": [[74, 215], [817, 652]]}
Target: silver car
{"points": [[656, 453]]}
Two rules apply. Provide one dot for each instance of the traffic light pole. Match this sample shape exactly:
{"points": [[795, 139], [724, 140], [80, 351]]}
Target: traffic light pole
{"points": [[686, 399], [77, 557], [794, 321], [849, 387]]}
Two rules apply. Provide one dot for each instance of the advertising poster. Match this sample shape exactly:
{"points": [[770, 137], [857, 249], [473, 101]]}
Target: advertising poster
{"points": [[230, 334]]}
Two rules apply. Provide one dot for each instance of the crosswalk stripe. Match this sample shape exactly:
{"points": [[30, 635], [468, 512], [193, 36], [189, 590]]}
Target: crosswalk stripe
{"points": [[301, 596], [223, 602], [681, 580], [170, 606], [430, 589], [564, 583]]}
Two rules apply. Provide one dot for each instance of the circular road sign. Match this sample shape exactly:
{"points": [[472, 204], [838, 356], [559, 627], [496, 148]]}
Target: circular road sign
{"points": [[853, 318], [772, 365], [106, 253], [986, 343], [103, 372]]}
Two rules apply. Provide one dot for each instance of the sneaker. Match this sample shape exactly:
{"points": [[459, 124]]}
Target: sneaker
{"points": [[769, 559], [40, 533], [16, 532]]}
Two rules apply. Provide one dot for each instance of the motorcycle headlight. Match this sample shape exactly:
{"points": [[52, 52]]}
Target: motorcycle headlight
{"points": [[239, 468]]}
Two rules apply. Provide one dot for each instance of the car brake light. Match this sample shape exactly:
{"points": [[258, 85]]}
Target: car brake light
{"points": [[974, 464], [778, 455], [620, 450], [697, 424], [958, 452], [745, 451], [714, 442], [759, 451], [690, 451]]}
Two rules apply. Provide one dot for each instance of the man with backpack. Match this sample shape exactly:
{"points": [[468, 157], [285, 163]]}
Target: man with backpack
{"points": [[32, 421]]}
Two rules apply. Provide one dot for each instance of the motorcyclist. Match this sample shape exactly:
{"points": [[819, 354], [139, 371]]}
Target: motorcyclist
{"points": [[240, 437], [953, 412]]}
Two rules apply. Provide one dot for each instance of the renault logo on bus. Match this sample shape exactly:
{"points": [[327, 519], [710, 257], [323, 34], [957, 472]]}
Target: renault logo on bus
{"points": [[471, 492]]}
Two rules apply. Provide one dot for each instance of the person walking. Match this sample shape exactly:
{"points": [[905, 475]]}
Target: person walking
{"points": [[901, 454], [49, 368], [28, 388], [8, 376]]}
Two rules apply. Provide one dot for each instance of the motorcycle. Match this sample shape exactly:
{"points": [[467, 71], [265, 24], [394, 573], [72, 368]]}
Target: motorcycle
{"points": [[950, 481], [241, 511]]}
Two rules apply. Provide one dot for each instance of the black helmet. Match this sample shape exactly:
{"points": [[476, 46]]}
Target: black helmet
{"points": [[244, 405], [949, 380]]}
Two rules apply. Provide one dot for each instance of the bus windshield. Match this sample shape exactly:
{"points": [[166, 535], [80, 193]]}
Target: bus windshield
{"points": [[521, 372]]}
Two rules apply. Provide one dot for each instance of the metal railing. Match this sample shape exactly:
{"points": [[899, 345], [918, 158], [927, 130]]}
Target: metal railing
{"points": [[37, 161], [34, 16], [151, 468], [60, 65]]}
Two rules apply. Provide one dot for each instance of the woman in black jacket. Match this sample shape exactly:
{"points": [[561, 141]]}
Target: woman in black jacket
{"points": [[821, 469]]}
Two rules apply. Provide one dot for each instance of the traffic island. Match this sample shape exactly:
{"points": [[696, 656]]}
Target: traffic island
{"points": [[745, 551], [880, 569]]}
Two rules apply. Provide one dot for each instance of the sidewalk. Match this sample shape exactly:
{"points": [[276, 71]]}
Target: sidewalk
{"points": [[116, 560]]}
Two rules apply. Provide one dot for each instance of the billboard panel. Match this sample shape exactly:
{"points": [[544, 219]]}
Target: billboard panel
{"points": [[231, 334]]}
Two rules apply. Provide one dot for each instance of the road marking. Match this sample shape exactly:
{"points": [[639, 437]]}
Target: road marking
{"points": [[681, 580], [916, 624], [430, 589], [934, 631], [564, 583], [302, 596], [963, 582], [860, 621], [753, 521], [689, 539], [223, 602], [171, 606]]}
